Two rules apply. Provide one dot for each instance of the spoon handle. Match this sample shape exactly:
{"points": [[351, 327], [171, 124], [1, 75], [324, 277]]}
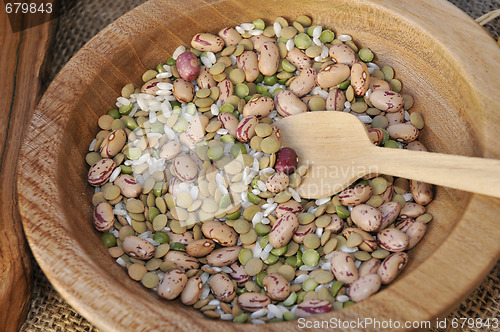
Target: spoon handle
{"points": [[477, 175]]}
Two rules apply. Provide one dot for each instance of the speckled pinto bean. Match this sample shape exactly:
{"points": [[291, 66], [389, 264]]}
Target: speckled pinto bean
{"points": [[200, 248], [304, 82], [259, 107], [248, 62], [403, 132], [369, 244], [302, 231], [238, 273], [113, 143], [129, 186], [377, 83], [393, 240], [360, 78], [290, 206], [376, 135], [332, 75], [222, 287], [223, 256], [246, 128], [341, 53], [386, 100], [184, 238], [100, 172], [230, 36], [364, 287], [336, 224], [138, 248], [207, 42], [422, 192], [298, 59], [356, 195], [184, 168], [226, 88], [387, 194], [183, 91], [415, 232], [269, 57], [229, 122], [392, 266], [150, 87], [192, 291], [283, 230], [395, 117], [188, 66], [276, 286], [104, 218], [412, 210], [366, 217], [205, 80], [196, 129], [368, 267], [287, 103], [343, 267], [312, 307], [220, 233], [170, 150], [253, 301], [182, 260], [335, 101], [277, 182], [258, 41], [416, 146], [172, 284], [389, 211]]}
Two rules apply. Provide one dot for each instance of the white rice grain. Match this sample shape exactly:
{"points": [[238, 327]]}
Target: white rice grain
{"points": [[407, 196], [277, 29], [347, 104], [342, 298], [205, 292], [295, 195], [257, 250], [256, 32], [121, 262], [290, 44], [322, 201], [247, 26], [317, 42], [270, 209], [239, 29], [274, 311], [123, 100], [261, 185], [211, 57], [257, 218], [115, 174], [317, 31], [300, 279], [226, 317], [214, 302], [164, 75], [258, 322], [365, 118], [92, 144], [349, 250], [259, 313], [344, 38], [178, 51], [264, 255], [206, 61]]}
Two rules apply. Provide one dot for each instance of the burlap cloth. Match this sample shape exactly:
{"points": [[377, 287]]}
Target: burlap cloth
{"points": [[49, 311]]}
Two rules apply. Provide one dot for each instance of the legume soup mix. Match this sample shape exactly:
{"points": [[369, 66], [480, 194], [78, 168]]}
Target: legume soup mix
{"points": [[195, 195]]}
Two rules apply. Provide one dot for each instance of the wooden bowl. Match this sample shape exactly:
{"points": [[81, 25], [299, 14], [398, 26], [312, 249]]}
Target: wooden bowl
{"points": [[446, 61]]}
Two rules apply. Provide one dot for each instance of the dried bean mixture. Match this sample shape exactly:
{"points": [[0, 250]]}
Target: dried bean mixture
{"points": [[194, 194]]}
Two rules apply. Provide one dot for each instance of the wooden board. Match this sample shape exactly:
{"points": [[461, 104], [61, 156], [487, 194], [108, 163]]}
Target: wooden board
{"points": [[22, 60]]}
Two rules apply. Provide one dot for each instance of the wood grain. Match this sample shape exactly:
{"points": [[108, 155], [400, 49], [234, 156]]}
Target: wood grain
{"points": [[355, 156], [22, 61], [454, 88]]}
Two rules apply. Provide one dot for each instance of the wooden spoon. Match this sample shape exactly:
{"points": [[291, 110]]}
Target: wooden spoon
{"points": [[337, 150]]}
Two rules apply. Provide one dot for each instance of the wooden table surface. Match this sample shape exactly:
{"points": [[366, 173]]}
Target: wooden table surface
{"points": [[22, 63]]}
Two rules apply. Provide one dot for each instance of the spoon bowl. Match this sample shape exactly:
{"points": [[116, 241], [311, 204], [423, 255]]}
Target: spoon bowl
{"points": [[337, 151]]}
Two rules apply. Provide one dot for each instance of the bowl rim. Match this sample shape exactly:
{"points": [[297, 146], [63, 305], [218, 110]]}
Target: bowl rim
{"points": [[46, 123]]}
